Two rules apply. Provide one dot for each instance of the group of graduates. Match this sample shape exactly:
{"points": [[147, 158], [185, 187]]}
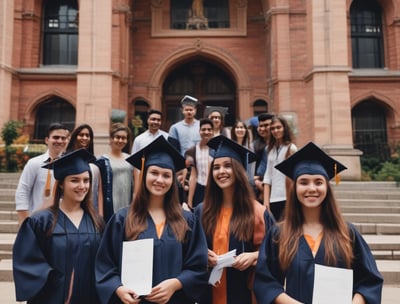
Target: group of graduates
{"points": [[68, 253]]}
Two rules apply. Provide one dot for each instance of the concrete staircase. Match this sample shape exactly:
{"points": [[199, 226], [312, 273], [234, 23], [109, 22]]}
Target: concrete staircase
{"points": [[374, 207]]}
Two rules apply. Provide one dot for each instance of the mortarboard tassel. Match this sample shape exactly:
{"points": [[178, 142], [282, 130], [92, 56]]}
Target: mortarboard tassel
{"points": [[141, 169], [337, 177], [47, 188]]}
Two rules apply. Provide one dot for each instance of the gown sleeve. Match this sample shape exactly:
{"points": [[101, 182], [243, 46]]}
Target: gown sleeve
{"points": [[269, 278], [108, 258], [367, 279], [31, 269], [194, 273]]}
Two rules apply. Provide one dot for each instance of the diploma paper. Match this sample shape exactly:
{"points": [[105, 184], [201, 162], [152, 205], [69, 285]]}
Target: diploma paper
{"points": [[137, 265], [224, 260], [332, 285]]}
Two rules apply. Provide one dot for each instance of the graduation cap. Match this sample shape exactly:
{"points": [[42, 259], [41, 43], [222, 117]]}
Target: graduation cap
{"points": [[189, 100], [225, 147], [209, 109], [159, 153], [311, 160], [75, 162]]}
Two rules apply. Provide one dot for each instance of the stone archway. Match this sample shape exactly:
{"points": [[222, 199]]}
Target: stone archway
{"points": [[61, 111], [213, 55], [203, 79], [369, 120]]}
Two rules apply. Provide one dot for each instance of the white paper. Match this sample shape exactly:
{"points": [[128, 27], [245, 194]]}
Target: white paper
{"points": [[332, 285], [224, 260], [137, 265]]}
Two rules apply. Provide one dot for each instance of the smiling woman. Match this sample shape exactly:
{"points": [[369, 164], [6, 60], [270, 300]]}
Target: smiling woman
{"points": [[313, 232], [232, 220], [116, 173], [62, 240], [179, 246]]}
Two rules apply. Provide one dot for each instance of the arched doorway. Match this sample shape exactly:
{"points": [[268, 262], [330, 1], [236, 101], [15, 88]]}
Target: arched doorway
{"points": [[54, 109], [369, 129], [208, 82]]}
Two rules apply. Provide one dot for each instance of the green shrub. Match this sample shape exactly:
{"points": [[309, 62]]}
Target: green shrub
{"points": [[375, 169], [10, 131]]}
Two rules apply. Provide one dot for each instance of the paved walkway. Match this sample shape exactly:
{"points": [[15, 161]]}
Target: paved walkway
{"points": [[391, 294]]}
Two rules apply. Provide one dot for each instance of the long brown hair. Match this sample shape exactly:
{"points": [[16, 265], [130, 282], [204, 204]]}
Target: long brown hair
{"points": [[287, 133], [86, 205], [136, 220], [246, 138], [242, 221], [73, 141], [337, 240]]}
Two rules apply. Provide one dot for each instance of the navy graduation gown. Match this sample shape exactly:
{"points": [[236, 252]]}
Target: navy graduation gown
{"points": [[238, 282], [43, 265], [269, 278], [171, 259]]}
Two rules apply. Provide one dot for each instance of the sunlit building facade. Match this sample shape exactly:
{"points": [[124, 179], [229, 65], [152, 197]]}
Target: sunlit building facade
{"points": [[331, 67]]}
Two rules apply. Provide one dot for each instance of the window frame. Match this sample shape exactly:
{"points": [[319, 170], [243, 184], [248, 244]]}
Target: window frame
{"points": [[362, 39], [60, 35], [161, 22]]}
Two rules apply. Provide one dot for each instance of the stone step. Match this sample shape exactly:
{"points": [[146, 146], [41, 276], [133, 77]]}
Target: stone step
{"points": [[368, 195], [8, 227], [372, 218], [7, 206], [390, 271], [378, 228], [6, 274], [370, 209], [368, 202], [10, 176], [8, 215], [7, 197], [7, 255], [362, 185], [386, 254]]}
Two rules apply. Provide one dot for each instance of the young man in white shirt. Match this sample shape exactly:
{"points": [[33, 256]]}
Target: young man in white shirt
{"points": [[34, 190]]}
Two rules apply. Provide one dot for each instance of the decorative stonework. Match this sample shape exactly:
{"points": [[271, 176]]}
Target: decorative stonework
{"points": [[198, 24]]}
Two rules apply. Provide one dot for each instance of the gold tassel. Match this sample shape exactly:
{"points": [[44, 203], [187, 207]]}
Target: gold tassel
{"points": [[337, 177], [141, 170], [47, 188]]}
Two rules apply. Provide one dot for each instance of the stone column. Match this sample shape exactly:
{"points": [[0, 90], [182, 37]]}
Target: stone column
{"points": [[6, 52], [327, 82], [95, 77]]}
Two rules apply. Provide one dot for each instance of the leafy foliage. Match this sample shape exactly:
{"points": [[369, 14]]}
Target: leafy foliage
{"points": [[374, 169], [11, 131]]}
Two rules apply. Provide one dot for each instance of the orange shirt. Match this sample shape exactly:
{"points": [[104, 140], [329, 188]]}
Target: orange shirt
{"points": [[160, 228], [313, 244], [221, 246]]}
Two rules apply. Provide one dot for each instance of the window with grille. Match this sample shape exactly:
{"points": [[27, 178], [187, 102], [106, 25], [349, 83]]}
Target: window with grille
{"points": [[60, 32], [366, 34]]}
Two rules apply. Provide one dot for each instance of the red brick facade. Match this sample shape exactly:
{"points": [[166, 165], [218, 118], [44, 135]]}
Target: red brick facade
{"points": [[293, 54]]}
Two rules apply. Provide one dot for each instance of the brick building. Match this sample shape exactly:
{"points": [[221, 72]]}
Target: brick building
{"points": [[332, 67]]}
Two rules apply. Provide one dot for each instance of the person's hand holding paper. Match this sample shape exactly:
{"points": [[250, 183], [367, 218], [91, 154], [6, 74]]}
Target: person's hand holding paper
{"points": [[225, 260]]}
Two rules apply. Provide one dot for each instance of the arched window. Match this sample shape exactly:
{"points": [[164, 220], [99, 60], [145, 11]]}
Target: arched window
{"points": [[260, 106], [215, 11], [61, 111], [369, 130], [366, 34], [60, 32]]}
